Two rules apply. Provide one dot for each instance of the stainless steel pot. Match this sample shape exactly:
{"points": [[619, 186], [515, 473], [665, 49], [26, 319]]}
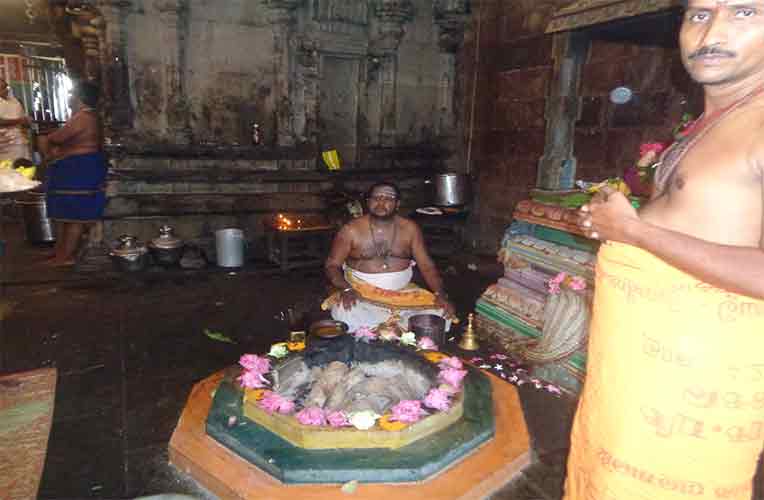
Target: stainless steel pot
{"points": [[129, 254], [38, 227], [451, 189]]}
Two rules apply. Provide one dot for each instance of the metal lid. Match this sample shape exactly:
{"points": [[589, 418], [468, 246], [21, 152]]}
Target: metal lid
{"points": [[166, 239], [128, 246]]}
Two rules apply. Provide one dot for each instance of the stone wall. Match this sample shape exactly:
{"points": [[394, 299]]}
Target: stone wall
{"points": [[516, 75], [187, 79], [608, 135]]}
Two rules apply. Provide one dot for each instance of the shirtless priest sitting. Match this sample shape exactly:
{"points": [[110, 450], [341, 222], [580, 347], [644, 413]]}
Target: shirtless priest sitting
{"points": [[371, 264]]}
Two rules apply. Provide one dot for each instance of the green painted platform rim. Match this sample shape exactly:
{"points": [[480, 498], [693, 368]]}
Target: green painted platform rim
{"points": [[414, 462]]}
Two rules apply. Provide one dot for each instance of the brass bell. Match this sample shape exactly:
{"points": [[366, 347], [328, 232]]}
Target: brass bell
{"points": [[469, 339]]}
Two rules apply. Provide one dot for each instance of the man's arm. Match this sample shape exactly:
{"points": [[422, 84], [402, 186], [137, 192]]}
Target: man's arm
{"points": [[429, 271], [424, 261], [732, 268], [341, 247]]}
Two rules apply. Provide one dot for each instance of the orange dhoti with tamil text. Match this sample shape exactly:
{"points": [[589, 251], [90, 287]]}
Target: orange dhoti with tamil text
{"points": [[673, 403]]}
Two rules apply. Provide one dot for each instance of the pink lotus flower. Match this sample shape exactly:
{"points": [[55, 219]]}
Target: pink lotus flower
{"points": [[427, 343], [577, 283], [252, 380], [311, 416], [273, 402], [408, 411], [554, 288], [337, 419], [364, 332], [452, 362], [655, 147], [452, 376], [437, 400], [255, 363]]}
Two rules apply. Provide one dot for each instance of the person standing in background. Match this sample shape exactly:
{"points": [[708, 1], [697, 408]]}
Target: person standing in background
{"points": [[77, 173], [14, 143]]}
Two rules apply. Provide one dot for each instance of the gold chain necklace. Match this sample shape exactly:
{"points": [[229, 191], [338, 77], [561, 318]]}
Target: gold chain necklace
{"points": [[381, 250]]}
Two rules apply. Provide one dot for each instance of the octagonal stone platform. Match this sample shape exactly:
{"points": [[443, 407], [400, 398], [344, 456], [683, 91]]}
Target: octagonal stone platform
{"points": [[296, 465], [221, 471]]}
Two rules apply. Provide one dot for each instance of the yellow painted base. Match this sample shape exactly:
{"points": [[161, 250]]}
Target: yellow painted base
{"points": [[310, 437]]}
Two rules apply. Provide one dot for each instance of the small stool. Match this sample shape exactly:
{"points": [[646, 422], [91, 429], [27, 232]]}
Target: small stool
{"points": [[296, 248]]}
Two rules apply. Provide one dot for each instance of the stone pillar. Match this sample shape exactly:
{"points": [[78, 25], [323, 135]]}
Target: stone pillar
{"points": [[282, 18], [305, 102], [115, 83], [171, 15], [450, 17], [391, 17], [557, 168]]}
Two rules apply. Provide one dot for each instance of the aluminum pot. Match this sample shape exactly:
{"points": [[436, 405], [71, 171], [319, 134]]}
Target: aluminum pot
{"points": [[451, 189], [129, 255]]}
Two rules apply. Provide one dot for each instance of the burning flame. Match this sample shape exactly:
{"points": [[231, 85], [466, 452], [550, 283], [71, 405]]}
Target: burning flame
{"points": [[284, 223]]}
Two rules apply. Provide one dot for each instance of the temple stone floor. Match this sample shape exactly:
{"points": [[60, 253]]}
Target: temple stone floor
{"points": [[129, 348]]}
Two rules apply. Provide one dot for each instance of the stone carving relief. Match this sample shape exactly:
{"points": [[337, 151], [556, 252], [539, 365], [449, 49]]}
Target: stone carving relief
{"points": [[451, 17], [343, 11], [309, 39]]}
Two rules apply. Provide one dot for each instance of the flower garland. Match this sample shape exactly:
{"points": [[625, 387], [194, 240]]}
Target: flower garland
{"points": [[404, 413]]}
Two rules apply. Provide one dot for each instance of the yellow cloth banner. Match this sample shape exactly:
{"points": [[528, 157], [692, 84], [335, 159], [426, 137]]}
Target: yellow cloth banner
{"points": [[673, 403]]}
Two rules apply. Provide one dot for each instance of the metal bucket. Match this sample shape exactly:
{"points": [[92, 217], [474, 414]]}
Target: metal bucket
{"points": [[229, 247], [451, 189], [37, 226]]}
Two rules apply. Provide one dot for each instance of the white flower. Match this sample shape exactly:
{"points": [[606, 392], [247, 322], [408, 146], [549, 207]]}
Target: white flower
{"points": [[363, 420], [278, 350], [408, 338]]}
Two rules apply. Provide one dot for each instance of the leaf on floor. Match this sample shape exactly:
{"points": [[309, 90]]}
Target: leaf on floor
{"points": [[218, 336]]}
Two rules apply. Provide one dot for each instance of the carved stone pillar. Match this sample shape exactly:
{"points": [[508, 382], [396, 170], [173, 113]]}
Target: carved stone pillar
{"points": [[450, 18], [171, 14], [557, 167], [115, 83], [388, 29], [282, 16], [305, 102]]}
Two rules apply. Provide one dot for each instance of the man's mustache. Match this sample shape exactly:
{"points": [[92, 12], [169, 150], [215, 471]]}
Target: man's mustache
{"points": [[711, 51]]}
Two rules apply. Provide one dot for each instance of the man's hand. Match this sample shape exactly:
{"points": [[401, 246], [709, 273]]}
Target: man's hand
{"points": [[349, 298], [607, 217], [442, 301]]}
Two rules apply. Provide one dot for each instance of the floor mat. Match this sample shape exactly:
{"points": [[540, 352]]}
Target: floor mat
{"points": [[26, 412]]}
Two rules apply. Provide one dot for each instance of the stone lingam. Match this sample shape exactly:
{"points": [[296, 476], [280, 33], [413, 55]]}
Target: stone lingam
{"points": [[353, 408]]}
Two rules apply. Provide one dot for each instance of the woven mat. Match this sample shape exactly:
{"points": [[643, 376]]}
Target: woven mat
{"points": [[26, 412]]}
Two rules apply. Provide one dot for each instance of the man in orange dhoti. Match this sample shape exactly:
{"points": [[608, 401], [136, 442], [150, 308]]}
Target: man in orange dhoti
{"points": [[371, 265], [673, 403]]}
